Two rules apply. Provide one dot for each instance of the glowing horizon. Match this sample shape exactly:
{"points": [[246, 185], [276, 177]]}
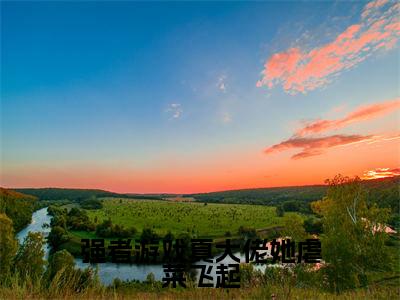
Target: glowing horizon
{"points": [[198, 97]]}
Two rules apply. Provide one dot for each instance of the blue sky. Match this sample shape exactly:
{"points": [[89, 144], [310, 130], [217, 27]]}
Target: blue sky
{"points": [[152, 87]]}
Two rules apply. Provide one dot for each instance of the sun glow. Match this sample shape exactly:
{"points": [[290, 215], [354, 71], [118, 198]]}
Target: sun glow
{"points": [[380, 173]]}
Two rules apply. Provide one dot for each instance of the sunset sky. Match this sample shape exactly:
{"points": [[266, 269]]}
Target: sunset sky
{"points": [[181, 97]]}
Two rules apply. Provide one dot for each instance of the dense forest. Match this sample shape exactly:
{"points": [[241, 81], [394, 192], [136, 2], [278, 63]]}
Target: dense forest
{"points": [[17, 206]]}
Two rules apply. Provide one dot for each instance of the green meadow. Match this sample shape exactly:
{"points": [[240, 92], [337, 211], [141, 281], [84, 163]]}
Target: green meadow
{"points": [[199, 219]]}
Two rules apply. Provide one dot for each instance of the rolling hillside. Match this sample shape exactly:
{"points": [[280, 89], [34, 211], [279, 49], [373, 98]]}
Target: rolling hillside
{"points": [[385, 192], [17, 206]]}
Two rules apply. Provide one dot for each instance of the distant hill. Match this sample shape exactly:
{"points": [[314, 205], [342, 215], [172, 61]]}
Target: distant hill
{"points": [[264, 196], [383, 191], [67, 194], [17, 206], [78, 195]]}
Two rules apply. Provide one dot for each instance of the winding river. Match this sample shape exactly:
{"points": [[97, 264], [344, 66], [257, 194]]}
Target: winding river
{"points": [[108, 271]]}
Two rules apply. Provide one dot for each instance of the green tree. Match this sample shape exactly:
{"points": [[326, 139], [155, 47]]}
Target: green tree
{"points": [[280, 211], [92, 203], [104, 229], [185, 244], [151, 279], [57, 236], [169, 237], [29, 261], [313, 225], [293, 228], [61, 261], [353, 241], [59, 220], [247, 232], [8, 246], [148, 235]]}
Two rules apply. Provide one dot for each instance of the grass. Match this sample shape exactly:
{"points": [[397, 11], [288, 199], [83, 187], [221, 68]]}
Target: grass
{"points": [[200, 220], [211, 220], [37, 290]]}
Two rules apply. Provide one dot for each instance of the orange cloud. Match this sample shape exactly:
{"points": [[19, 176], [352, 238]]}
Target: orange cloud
{"points": [[312, 146], [380, 173], [362, 113], [299, 70]]}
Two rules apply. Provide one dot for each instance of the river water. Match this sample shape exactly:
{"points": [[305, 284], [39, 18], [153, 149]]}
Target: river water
{"points": [[108, 271], [40, 219]]}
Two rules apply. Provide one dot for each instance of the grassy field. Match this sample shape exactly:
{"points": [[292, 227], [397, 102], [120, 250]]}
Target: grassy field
{"points": [[211, 220], [256, 293]]}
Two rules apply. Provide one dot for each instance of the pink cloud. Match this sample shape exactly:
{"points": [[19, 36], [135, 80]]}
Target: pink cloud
{"points": [[312, 146], [362, 113], [299, 70], [371, 6]]}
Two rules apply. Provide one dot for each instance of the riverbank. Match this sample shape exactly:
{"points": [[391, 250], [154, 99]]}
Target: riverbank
{"points": [[108, 271]]}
